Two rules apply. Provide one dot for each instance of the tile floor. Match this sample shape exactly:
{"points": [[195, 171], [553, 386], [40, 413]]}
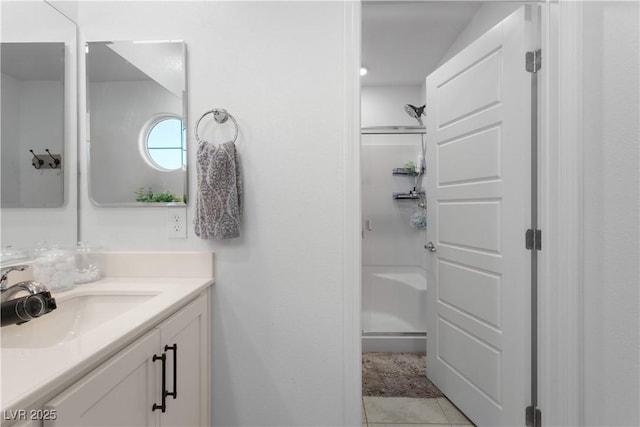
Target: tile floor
{"points": [[410, 412]]}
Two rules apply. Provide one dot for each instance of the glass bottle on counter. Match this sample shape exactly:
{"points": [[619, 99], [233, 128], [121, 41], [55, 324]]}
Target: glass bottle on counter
{"points": [[54, 266], [88, 263]]}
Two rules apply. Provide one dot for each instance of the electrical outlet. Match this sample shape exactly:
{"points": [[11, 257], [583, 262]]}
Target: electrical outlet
{"points": [[177, 223]]}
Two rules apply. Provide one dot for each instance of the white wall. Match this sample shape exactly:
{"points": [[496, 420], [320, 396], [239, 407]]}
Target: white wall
{"points": [[489, 14], [384, 105], [10, 141], [167, 73], [278, 328], [68, 8], [35, 21], [611, 213], [40, 127], [32, 112]]}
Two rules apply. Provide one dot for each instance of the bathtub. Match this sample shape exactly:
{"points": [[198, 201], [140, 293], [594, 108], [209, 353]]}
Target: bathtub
{"points": [[394, 308]]}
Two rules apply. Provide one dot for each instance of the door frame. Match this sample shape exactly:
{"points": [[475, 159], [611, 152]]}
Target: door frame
{"points": [[351, 217], [560, 196], [561, 261]]}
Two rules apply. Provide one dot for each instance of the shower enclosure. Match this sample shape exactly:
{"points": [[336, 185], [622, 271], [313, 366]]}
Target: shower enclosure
{"points": [[393, 258]]}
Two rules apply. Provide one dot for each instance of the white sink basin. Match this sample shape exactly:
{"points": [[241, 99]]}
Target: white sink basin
{"points": [[74, 317]]}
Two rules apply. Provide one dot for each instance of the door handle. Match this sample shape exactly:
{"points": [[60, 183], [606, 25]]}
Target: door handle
{"points": [[368, 225], [430, 247]]}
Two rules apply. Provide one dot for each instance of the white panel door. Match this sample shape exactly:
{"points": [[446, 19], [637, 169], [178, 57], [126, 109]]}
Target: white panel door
{"points": [[478, 200]]}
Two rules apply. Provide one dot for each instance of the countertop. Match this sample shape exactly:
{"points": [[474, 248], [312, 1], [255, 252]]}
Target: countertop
{"points": [[33, 374]]}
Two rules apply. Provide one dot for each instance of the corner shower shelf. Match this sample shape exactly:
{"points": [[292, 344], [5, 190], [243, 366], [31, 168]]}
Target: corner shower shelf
{"points": [[412, 195], [403, 171]]}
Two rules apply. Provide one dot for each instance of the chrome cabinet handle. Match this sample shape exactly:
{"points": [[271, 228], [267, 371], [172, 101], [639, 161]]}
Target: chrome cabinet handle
{"points": [[430, 247]]}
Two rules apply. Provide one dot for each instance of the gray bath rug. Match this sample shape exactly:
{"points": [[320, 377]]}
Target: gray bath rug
{"points": [[396, 375]]}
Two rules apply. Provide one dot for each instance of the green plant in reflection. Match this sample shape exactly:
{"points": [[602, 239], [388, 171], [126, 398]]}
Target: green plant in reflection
{"points": [[149, 196]]}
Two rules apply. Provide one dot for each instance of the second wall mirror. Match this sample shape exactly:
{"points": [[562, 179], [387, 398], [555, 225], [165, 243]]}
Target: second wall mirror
{"points": [[136, 103], [33, 121]]}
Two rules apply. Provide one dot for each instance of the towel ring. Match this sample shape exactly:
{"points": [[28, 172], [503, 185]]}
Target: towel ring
{"points": [[220, 115]]}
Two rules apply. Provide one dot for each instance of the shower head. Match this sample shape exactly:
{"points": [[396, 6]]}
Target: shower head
{"points": [[415, 112]]}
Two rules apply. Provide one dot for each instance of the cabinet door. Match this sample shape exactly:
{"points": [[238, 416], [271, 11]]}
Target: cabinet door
{"points": [[121, 392], [189, 365]]}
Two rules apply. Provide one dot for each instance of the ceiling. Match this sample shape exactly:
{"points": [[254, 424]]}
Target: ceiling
{"points": [[33, 61], [403, 41], [105, 65]]}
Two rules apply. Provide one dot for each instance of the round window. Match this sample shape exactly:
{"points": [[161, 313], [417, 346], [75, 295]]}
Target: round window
{"points": [[164, 143]]}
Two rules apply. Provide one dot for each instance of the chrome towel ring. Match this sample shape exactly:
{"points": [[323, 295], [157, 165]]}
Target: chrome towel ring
{"points": [[220, 115]]}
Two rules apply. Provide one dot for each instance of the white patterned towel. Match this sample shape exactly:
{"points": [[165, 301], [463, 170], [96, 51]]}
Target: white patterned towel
{"points": [[219, 197]]}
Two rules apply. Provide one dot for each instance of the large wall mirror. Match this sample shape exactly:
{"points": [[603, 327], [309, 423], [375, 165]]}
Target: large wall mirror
{"points": [[38, 125], [136, 119], [32, 136]]}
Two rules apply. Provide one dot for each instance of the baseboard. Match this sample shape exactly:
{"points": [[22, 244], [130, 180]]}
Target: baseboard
{"points": [[394, 344]]}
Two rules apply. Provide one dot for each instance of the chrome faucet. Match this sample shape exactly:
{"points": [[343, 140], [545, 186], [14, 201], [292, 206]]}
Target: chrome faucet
{"points": [[30, 286], [22, 309], [5, 274], [7, 292]]}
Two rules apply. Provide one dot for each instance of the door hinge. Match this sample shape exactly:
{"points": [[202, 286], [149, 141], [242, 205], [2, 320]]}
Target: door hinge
{"points": [[533, 239], [533, 61], [533, 417]]}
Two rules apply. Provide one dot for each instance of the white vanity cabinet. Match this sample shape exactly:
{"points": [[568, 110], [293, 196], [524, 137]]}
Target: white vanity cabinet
{"points": [[129, 389]]}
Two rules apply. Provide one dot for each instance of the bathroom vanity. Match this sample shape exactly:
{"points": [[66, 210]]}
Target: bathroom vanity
{"points": [[130, 349]]}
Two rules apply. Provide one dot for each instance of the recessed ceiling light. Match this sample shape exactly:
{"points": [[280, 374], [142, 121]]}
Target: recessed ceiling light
{"points": [[363, 71]]}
